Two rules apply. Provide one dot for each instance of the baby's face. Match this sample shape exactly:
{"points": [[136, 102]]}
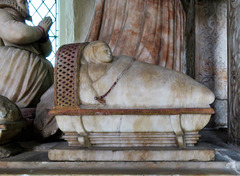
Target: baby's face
{"points": [[103, 53], [98, 52]]}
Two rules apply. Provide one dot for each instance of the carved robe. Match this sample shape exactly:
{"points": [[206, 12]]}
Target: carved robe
{"points": [[140, 86], [25, 73], [151, 31]]}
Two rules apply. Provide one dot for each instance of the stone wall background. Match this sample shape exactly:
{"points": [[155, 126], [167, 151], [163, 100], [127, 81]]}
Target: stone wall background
{"points": [[234, 71], [210, 59]]}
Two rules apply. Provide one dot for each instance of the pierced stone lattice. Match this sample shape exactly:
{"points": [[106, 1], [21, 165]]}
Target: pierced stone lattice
{"points": [[66, 74]]}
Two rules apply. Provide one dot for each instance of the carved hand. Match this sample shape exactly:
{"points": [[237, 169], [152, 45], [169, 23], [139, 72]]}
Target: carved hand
{"points": [[46, 23]]}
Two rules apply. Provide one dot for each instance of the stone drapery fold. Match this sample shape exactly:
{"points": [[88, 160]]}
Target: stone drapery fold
{"points": [[152, 31], [24, 75]]}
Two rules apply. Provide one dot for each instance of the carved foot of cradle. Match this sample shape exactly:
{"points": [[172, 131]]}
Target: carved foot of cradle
{"points": [[75, 139]]}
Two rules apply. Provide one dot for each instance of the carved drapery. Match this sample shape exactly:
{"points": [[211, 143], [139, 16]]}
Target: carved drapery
{"points": [[211, 53], [151, 31], [234, 70]]}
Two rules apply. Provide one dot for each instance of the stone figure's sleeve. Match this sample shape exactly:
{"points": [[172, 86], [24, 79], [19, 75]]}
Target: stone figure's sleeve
{"points": [[46, 48], [17, 32]]}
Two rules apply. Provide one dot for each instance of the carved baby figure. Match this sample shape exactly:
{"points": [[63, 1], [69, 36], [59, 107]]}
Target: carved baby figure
{"points": [[123, 81]]}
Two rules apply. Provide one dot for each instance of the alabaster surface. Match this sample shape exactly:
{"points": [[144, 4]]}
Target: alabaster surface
{"points": [[25, 73], [133, 131], [45, 124], [130, 123], [140, 84], [122, 82], [130, 155], [150, 31]]}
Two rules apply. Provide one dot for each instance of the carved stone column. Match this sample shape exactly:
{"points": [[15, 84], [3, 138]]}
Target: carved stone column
{"points": [[234, 70], [189, 7], [75, 20], [211, 53]]}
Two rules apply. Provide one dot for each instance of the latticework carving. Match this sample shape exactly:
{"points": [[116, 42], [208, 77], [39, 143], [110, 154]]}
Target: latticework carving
{"points": [[66, 70]]}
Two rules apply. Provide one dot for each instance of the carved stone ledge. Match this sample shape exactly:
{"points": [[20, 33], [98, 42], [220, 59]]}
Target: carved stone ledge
{"points": [[63, 152]]}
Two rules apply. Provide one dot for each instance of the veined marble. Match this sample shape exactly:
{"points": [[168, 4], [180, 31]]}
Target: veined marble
{"points": [[132, 131]]}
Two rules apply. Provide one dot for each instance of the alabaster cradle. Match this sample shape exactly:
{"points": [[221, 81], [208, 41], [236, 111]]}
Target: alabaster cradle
{"points": [[102, 126]]}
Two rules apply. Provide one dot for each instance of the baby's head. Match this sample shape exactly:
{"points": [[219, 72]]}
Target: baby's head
{"points": [[97, 52]]}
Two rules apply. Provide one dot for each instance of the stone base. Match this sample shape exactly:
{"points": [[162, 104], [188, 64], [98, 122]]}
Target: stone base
{"points": [[164, 130], [153, 139], [36, 162], [65, 153]]}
